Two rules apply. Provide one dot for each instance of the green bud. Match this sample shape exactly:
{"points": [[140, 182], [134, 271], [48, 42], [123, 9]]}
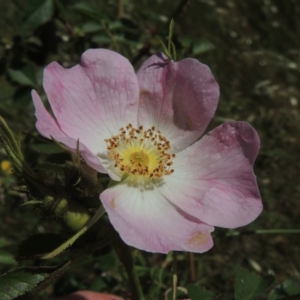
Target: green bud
{"points": [[55, 205], [61, 206], [76, 216], [48, 201]]}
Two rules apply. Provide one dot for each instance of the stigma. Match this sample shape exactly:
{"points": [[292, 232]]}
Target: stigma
{"points": [[141, 152]]}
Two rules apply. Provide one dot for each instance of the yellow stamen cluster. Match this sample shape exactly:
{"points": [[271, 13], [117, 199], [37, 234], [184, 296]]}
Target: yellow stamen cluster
{"points": [[140, 152]]}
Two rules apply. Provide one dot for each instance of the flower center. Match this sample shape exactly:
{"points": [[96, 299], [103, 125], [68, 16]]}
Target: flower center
{"points": [[140, 152], [139, 158]]}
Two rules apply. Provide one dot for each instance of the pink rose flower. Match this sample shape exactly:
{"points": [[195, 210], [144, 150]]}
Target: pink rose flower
{"points": [[144, 128]]}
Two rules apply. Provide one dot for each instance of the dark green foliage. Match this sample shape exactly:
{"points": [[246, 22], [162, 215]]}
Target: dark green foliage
{"points": [[25, 280], [38, 245], [6, 258], [197, 293], [252, 48], [18, 282], [37, 13], [22, 77], [289, 289], [48, 148], [249, 286]]}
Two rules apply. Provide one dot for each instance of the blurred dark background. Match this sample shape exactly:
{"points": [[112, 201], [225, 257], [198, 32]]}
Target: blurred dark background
{"points": [[253, 50]]}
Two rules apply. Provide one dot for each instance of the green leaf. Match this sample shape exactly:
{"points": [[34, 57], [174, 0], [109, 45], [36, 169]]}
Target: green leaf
{"points": [[60, 6], [39, 13], [290, 287], [24, 280], [101, 38], [7, 258], [249, 286], [3, 242], [181, 293], [21, 76], [48, 148], [38, 245], [7, 91], [22, 96], [31, 202], [107, 261], [18, 282], [198, 292], [88, 11], [53, 276], [91, 27], [115, 25], [201, 46], [165, 50], [98, 285], [59, 169]]}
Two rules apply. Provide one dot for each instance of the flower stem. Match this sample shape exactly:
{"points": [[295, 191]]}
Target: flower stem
{"points": [[264, 231], [175, 279], [276, 231], [125, 256], [192, 266]]}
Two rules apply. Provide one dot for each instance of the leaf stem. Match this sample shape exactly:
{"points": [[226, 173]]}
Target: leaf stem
{"points": [[171, 30], [99, 213]]}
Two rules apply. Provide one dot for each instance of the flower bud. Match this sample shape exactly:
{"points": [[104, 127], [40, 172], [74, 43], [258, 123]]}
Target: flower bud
{"points": [[76, 216], [58, 206], [48, 201]]}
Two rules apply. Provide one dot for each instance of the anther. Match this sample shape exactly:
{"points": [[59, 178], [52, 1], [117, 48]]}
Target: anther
{"points": [[140, 152]]}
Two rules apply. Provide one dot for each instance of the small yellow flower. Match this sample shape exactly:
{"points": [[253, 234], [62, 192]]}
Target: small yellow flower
{"points": [[6, 167]]}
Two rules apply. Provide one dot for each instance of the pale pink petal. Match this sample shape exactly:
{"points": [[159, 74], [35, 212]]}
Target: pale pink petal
{"points": [[180, 98], [213, 179], [94, 99], [49, 128], [88, 295], [147, 221], [46, 124]]}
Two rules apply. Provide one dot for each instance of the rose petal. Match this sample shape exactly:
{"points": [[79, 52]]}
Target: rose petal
{"points": [[91, 101], [147, 221], [180, 98], [214, 180], [89, 295], [48, 127]]}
